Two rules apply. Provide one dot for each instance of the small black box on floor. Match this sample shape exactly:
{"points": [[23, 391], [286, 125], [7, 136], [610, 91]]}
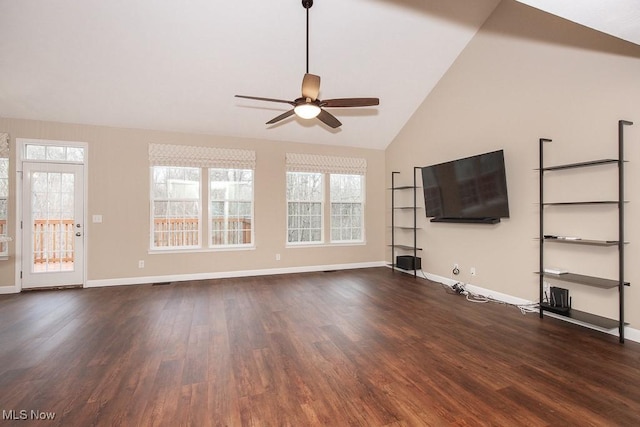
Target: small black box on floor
{"points": [[408, 262], [558, 301]]}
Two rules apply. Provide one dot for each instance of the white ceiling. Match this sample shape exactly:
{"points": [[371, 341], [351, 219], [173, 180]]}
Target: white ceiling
{"points": [[620, 18], [176, 65]]}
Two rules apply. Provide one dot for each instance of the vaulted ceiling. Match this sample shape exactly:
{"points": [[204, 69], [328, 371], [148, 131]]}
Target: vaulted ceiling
{"points": [[176, 65]]}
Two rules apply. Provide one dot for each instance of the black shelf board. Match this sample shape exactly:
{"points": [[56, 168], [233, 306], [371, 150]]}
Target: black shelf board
{"points": [[466, 220], [592, 319], [396, 267], [403, 187], [581, 164], [584, 202], [409, 248], [596, 282], [588, 242]]}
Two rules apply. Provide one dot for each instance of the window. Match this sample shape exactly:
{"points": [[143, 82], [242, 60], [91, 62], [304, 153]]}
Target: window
{"points": [[4, 191], [308, 177], [304, 206], [176, 207], [44, 152], [346, 207], [231, 207], [189, 184]]}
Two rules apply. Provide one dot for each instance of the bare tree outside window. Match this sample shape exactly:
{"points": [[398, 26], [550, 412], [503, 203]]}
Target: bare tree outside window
{"points": [[304, 207], [347, 201]]}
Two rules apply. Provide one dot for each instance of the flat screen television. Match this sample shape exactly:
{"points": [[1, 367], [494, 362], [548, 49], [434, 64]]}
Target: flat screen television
{"points": [[473, 189]]}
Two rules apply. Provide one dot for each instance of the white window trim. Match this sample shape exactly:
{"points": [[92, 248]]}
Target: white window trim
{"points": [[75, 144], [326, 245], [200, 250]]}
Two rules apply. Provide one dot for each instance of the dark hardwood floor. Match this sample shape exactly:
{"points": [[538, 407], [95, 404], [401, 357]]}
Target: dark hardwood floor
{"points": [[361, 347]]}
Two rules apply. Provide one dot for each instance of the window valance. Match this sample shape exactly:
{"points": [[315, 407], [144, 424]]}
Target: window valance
{"points": [[201, 157], [325, 164]]}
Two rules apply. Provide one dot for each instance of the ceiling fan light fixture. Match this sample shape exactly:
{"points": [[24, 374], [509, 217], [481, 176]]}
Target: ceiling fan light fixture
{"points": [[307, 110]]}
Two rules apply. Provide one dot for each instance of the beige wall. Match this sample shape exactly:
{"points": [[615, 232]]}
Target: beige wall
{"points": [[118, 183], [528, 75]]}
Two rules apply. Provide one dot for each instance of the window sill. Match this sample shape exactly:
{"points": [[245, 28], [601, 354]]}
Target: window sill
{"points": [[324, 245], [200, 250]]}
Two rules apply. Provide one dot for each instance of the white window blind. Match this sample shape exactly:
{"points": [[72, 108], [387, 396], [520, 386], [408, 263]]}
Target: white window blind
{"points": [[201, 157], [4, 145], [325, 164]]}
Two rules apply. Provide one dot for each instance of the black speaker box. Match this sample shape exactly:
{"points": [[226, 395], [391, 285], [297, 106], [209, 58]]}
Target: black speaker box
{"points": [[408, 262]]}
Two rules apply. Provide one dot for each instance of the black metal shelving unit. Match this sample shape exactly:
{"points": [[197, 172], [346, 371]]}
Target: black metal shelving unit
{"points": [[598, 282], [414, 249]]}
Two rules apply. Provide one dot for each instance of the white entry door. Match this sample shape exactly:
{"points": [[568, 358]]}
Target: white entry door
{"points": [[53, 225]]}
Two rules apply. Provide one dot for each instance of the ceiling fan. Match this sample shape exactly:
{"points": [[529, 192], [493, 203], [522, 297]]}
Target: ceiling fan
{"points": [[308, 106]]}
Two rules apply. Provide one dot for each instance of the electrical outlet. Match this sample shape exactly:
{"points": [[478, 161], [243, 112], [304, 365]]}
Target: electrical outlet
{"points": [[141, 264], [473, 271], [277, 257], [456, 269]]}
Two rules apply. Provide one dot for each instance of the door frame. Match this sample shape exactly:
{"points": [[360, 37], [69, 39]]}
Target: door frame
{"points": [[21, 143]]}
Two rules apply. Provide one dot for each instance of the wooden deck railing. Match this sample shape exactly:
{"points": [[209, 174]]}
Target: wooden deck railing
{"points": [[53, 241], [238, 233], [175, 232], [184, 231]]}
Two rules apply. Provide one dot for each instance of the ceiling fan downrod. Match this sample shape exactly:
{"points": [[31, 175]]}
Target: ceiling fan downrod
{"points": [[307, 5]]}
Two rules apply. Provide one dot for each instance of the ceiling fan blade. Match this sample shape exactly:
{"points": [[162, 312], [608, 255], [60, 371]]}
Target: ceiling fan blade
{"points": [[310, 86], [350, 102], [281, 117], [266, 99], [329, 119]]}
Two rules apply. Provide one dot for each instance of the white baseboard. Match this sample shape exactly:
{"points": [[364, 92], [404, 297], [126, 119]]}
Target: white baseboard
{"points": [[228, 274], [630, 334], [9, 290]]}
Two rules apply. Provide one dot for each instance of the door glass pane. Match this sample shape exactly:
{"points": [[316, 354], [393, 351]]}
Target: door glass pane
{"points": [[52, 202]]}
